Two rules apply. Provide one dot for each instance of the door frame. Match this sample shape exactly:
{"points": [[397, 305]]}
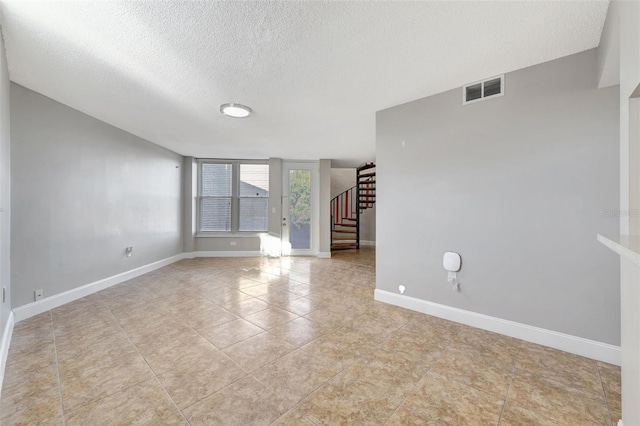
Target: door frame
{"points": [[314, 167]]}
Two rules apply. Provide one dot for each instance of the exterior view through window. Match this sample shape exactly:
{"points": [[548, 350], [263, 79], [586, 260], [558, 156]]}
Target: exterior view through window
{"points": [[233, 196], [300, 208]]}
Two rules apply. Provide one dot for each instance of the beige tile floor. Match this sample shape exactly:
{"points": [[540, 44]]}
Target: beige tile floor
{"points": [[286, 342]]}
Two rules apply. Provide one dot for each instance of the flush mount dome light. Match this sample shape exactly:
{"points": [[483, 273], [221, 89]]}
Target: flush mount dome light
{"points": [[235, 110]]}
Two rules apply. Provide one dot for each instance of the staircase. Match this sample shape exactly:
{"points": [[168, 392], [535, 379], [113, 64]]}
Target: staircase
{"points": [[347, 207]]}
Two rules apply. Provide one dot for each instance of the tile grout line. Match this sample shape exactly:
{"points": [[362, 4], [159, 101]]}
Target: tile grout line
{"points": [[219, 349], [514, 371], [55, 350], [421, 378], [91, 401], [323, 384], [155, 376], [294, 406], [212, 393], [513, 376], [247, 374], [314, 390], [604, 393], [171, 399], [405, 398]]}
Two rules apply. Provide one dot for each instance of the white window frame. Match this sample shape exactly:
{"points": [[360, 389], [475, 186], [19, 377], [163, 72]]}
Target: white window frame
{"points": [[235, 199], [482, 96]]}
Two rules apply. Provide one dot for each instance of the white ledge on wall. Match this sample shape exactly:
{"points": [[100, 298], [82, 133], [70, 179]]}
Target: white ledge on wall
{"points": [[627, 246]]}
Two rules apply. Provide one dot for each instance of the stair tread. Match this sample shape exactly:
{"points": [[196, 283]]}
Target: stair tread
{"points": [[363, 198], [366, 166], [344, 245], [344, 237]]}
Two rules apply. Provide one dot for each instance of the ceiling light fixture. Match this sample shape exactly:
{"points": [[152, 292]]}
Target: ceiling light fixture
{"points": [[235, 110]]}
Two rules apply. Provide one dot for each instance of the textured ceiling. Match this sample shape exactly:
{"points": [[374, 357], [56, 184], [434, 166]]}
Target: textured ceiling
{"points": [[313, 72]]}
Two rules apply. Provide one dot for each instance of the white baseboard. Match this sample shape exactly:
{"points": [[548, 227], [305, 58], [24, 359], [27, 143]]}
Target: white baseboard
{"points": [[367, 243], [4, 347], [324, 255], [565, 342], [44, 305], [226, 253]]}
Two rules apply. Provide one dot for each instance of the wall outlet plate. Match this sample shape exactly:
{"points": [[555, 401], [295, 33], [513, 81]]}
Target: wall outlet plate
{"points": [[38, 294]]}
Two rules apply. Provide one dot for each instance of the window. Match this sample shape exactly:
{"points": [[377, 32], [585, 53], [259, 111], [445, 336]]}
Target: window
{"points": [[485, 89], [233, 196]]}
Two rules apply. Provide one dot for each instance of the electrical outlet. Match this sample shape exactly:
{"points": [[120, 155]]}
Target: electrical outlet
{"points": [[128, 251], [233, 243], [37, 295]]}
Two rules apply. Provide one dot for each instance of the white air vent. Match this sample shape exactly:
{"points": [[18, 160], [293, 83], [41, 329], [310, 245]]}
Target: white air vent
{"points": [[481, 90]]}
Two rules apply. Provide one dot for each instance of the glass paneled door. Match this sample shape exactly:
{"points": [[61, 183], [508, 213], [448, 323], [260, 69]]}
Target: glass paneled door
{"points": [[299, 208]]}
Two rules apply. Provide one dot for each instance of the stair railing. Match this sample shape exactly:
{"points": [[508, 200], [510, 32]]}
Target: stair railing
{"points": [[364, 182], [347, 207], [343, 206]]}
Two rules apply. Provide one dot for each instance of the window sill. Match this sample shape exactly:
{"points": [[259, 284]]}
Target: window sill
{"points": [[231, 234]]}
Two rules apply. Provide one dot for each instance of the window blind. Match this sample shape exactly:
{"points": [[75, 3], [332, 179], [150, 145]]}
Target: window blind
{"points": [[216, 197], [233, 196], [254, 197]]}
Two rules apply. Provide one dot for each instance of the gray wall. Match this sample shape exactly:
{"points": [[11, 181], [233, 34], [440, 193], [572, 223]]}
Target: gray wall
{"points": [[275, 197], [82, 191], [343, 179], [519, 186], [324, 227], [189, 199], [5, 191], [242, 243]]}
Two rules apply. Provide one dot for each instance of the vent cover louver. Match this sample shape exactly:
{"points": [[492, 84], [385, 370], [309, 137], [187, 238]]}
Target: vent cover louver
{"points": [[482, 90]]}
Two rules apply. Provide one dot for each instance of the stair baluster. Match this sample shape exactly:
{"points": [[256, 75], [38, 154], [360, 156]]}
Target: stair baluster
{"points": [[345, 228]]}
